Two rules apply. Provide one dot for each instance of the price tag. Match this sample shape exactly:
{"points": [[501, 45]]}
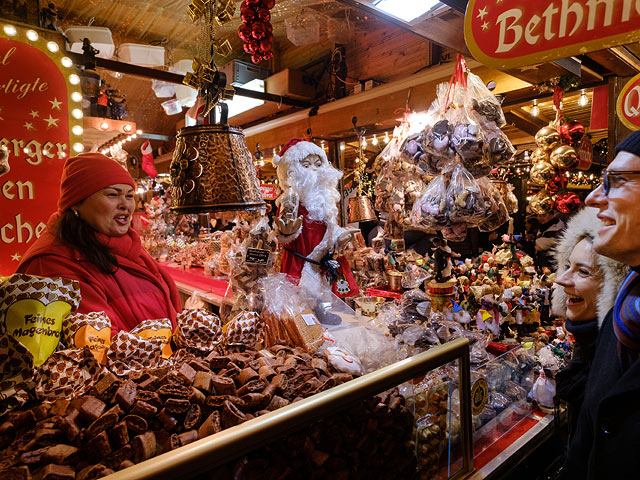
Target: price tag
{"points": [[310, 319], [257, 256]]}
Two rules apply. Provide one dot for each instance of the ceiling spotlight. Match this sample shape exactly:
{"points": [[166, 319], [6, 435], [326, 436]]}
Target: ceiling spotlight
{"points": [[342, 147], [127, 128], [583, 100], [104, 125], [535, 110]]}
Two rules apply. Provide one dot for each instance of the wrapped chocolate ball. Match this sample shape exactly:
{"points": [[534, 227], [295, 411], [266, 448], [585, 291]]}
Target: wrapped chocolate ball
{"points": [[556, 183], [541, 203], [541, 173], [547, 138], [564, 157]]}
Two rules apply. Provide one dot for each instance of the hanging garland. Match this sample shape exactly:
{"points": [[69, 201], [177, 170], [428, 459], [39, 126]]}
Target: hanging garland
{"points": [[256, 30]]}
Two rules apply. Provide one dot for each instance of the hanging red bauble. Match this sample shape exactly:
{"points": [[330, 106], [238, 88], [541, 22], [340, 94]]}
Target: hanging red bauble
{"points": [[249, 16], [253, 3], [265, 45], [244, 32], [572, 132], [244, 8], [252, 46], [557, 183], [258, 30], [268, 3], [268, 26], [256, 58], [267, 55], [264, 15], [567, 202]]}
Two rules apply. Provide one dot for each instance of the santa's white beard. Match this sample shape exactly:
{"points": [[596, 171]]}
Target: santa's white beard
{"points": [[317, 191]]}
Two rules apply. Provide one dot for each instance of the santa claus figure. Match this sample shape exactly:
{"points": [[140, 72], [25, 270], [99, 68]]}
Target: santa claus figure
{"points": [[307, 219]]}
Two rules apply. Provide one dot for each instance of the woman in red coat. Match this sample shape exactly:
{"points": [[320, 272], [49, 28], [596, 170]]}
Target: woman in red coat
{"points": [[89, 239]]}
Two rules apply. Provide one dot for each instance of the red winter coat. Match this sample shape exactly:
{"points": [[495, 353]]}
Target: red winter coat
{"points": [[140, 289]]}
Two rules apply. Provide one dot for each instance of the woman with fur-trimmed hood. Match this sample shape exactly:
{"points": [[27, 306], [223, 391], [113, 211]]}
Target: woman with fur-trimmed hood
{"points": [[585, 289]]}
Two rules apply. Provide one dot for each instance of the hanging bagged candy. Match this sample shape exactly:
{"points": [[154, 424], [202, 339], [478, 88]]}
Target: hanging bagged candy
{"points": [[567, 202], [497, 213], [256, 30], [497, 144], [465, 202], [430, 211], [456, 232], [510, 200], [483, 101], [541, 203]]}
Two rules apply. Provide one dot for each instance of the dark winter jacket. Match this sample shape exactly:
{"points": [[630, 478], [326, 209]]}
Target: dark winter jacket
{"points": [[606, 443]]}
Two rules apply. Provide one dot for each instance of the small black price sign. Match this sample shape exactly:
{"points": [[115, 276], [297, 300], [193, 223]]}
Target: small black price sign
{"points": [[257, 256]]}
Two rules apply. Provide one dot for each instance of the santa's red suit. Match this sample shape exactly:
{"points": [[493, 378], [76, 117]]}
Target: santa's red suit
{"points": [[310, 236]]}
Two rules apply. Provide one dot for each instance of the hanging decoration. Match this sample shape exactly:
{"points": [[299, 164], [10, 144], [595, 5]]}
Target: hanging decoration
{"points": [[256, 30], [553, 159]]}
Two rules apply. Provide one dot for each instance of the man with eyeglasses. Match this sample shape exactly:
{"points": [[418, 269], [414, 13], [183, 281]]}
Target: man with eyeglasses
{"points": [[606, 443]]}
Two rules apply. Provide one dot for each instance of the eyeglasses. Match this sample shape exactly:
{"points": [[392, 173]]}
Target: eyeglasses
{"points": [[606, 185]]}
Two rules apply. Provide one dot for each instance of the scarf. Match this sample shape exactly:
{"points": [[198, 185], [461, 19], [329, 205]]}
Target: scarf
{"points": [[626, 320]]}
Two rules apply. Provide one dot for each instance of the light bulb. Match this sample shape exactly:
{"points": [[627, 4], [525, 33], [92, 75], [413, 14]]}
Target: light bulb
{"points": [[583, 100], [53, 47], [78, 147], [342, 147], [10, 30], [104, 125], [32, 35], [374, 141], [364, 142], [386, 137], [76, 96], [77, 113], [74, 79], [535, 110], [66, 62], [77, 130]]}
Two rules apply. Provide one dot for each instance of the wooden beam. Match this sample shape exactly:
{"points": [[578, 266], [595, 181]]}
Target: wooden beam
{"points": [[524, 121], [611, 62]]}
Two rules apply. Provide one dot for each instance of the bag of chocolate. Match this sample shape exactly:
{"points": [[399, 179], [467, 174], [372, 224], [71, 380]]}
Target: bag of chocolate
{"points": [[32, 310], [245, 330], [158, 329], [67, 374], [431, 209], [129, 352], [16, 371], [92, 330], [198, 330]]}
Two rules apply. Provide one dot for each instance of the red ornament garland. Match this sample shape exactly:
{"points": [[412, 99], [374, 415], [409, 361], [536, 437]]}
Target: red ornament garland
{"points": [[256, 30]]}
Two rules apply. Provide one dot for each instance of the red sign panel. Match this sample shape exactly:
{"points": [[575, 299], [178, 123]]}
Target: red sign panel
{"points": [[34, 139], [628, 104], [513, 33], [585, 154], [269, 192]]}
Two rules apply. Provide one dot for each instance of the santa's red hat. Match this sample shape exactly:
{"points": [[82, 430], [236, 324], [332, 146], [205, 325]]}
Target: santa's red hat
{"points": [[297, 149]]}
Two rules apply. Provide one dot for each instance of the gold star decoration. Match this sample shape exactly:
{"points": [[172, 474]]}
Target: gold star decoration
{"points": [[34, 113], [52, 122], [28, 126], [482, 13], [16, 257], [55, 104], [485, 25]]}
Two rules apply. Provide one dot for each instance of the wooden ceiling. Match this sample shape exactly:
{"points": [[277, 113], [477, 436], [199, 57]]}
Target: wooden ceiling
{"points": [[376, 49]]}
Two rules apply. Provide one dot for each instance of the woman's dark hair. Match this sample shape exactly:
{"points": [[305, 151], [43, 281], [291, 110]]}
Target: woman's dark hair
{"points": [[77, 233]]}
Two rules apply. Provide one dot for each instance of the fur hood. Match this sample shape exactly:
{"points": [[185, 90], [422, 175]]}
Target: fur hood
{"points": [[583, 224]]}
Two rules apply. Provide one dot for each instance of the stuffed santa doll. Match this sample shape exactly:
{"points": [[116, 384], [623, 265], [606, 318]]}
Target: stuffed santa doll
{"points": [[307, 220]]}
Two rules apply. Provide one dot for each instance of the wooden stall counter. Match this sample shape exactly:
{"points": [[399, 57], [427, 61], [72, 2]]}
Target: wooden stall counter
{"points": [[214, 291]]}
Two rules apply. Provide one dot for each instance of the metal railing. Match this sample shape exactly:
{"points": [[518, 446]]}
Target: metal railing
{"points": [[208, 453]]}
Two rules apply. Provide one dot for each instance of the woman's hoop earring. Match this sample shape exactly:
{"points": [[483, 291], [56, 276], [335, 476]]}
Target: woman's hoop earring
{"points": [[75, 212]]}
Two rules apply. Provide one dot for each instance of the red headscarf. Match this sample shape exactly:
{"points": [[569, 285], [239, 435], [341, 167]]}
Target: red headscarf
{"points": [[86, 174]]}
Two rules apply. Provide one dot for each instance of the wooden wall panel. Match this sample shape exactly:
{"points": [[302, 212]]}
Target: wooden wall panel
{"points": [[386, 54]]}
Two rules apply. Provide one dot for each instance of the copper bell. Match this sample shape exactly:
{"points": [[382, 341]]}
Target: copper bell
{"points": [[212, 170], [361, 209]]}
